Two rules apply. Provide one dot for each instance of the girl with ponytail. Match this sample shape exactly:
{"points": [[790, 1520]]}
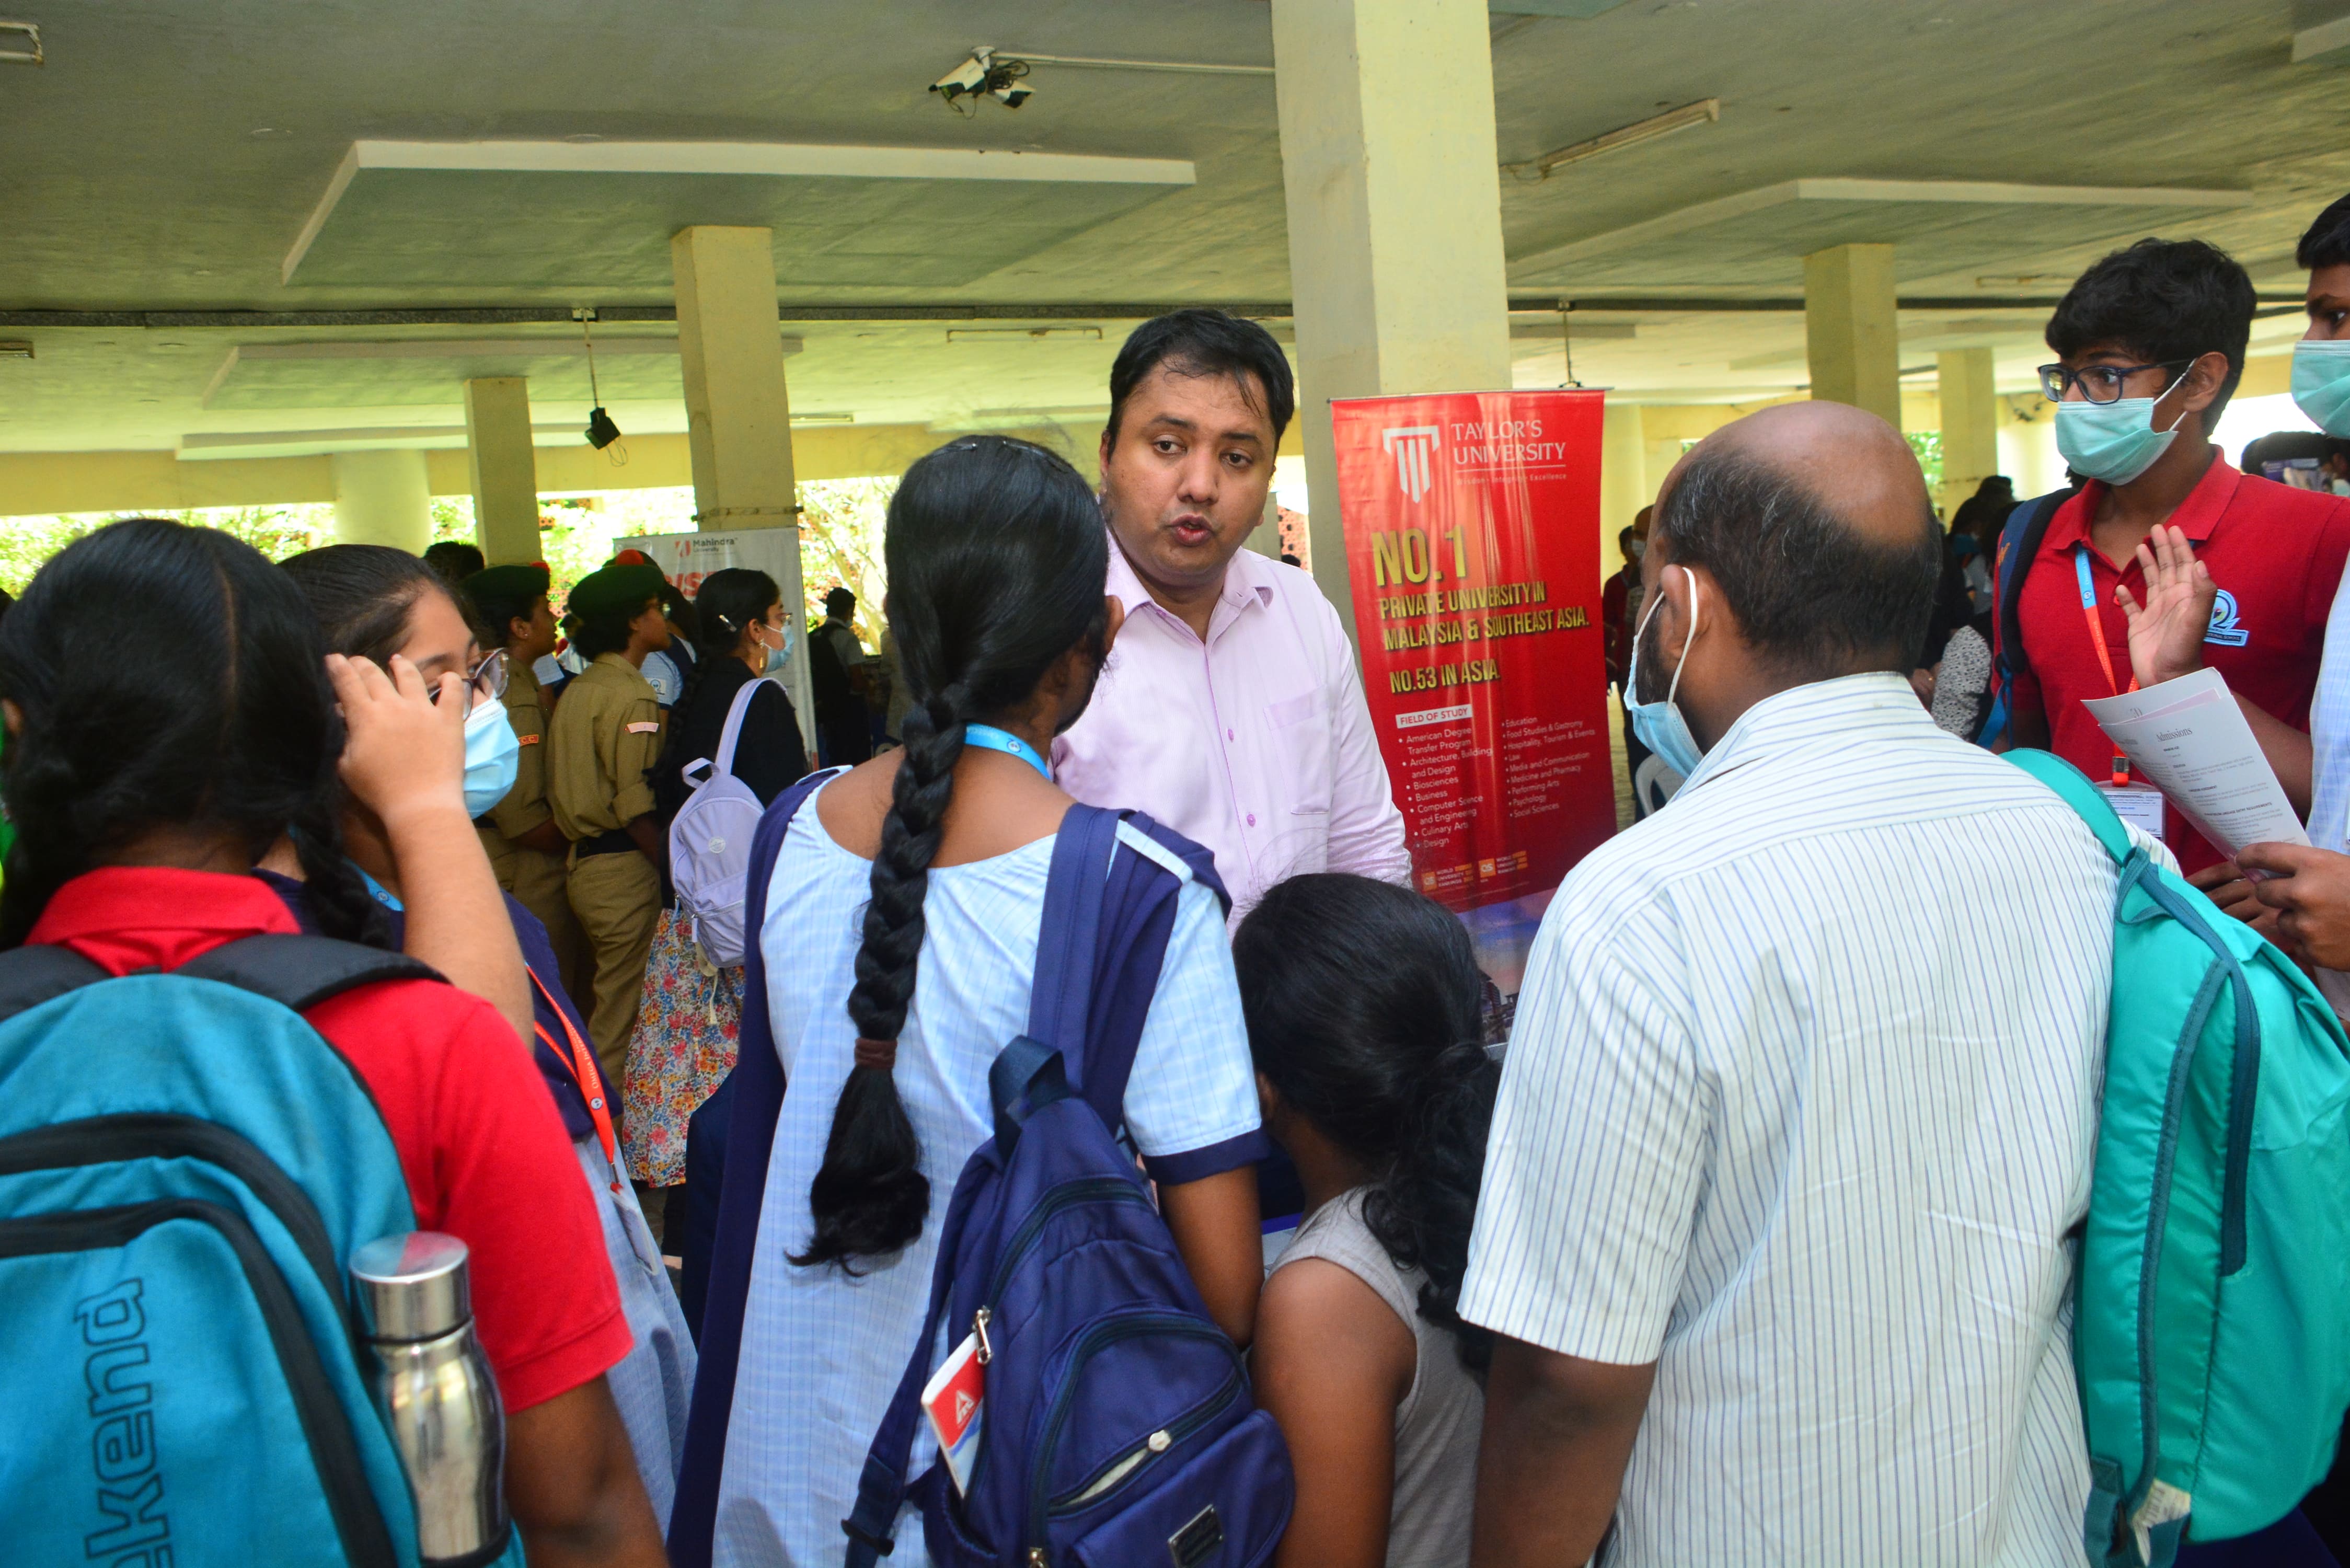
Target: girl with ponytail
{"points": [[899, 942], [1363, 1003]]}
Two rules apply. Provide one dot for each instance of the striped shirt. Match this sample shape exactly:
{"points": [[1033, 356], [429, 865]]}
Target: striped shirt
{"points": [[1770, 1121]]}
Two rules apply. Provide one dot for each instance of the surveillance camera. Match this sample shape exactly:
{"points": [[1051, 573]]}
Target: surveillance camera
{"points": [[1011, 92], [971, 76]]}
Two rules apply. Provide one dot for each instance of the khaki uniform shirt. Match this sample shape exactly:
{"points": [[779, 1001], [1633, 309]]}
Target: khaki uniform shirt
{"points": [[605, 739], [524, 806]]}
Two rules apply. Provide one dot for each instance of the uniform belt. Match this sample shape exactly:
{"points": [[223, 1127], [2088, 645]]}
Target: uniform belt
{"points": [[616, 842]]}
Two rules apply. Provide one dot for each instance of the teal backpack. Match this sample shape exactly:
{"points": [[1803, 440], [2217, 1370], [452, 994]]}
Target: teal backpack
{"points": [[185, 1168], [2211, 1326]]}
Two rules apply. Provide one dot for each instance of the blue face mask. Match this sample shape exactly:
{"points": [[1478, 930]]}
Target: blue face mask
{"points": [[2115, 442], [493, 756], [2321, 382], [1659, 724], [781, 654]]}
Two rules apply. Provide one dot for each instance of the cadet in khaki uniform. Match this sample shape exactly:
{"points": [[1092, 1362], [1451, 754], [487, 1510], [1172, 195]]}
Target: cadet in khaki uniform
{"points": [[526, 849], [605, 737]]}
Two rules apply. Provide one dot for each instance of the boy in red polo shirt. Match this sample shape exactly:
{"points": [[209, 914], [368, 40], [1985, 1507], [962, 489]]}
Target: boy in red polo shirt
{"points": [[2150, 344]]}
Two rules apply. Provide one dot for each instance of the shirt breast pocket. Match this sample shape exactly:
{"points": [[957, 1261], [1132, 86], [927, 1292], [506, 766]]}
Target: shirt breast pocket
{"points": [[1299, 782]]}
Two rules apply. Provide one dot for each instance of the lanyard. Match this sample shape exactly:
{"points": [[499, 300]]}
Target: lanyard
{"points": [[995, 739], [2097, 641], [583, 1068]]}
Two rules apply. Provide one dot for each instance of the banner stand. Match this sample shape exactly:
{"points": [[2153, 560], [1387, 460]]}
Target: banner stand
{"points": [[686, 558], [1471, 527]]}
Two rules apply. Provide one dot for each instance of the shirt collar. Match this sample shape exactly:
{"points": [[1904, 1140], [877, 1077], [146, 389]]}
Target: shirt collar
{"points": [[2196, 517], [1848, 708], [159, 911], [1246, 582]]}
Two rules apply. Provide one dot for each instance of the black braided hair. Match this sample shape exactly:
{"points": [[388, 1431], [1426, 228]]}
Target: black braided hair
{"points": [[998, 563], [169, 677], [1363, 1004]]}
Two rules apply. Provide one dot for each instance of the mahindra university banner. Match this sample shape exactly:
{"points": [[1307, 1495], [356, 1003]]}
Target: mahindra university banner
{"points": [[1473, 540], [686, 558]]}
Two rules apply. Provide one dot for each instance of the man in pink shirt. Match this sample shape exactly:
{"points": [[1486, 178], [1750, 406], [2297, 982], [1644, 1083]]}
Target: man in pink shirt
{"points": [[1231, 708]]}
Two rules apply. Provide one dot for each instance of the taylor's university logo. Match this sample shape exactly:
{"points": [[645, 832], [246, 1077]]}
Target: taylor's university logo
{"points": [[1412, 445], [2224, 630]]}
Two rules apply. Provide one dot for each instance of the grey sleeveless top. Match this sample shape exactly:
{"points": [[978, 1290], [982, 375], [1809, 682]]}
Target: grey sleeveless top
{"points": [[1437, 1424]]}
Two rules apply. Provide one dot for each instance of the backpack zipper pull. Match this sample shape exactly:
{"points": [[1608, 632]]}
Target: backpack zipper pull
{"points": [[980, 1320]]}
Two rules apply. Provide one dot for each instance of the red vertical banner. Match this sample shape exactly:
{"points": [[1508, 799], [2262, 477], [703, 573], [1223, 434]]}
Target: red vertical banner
{"points": [[1472, 542]]}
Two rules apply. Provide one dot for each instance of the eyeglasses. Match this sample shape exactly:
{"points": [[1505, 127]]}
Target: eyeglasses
{"points": [[2098, 383], [486, 683]]}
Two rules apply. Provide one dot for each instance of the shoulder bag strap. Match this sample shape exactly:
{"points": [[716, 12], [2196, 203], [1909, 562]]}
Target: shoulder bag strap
{"points": [[301, 972], [722, 760], [2019, 543], [40, 972], [2074, 788], [758, 1080]]}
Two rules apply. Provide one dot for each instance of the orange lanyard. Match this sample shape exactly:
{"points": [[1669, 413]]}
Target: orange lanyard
{"points": [[2097, 641], [583, 1068]]}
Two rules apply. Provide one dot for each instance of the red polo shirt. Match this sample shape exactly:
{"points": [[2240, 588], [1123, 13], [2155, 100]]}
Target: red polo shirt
{"points": [[2276, 553], [486, 1157]]}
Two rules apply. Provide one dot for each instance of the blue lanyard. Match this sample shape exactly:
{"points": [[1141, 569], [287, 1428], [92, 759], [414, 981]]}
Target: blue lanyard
{"points": [[990, 738], [381, 894]]}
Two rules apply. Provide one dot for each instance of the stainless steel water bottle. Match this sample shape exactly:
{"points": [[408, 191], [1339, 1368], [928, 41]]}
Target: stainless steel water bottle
{"points": [[436, 1385]]}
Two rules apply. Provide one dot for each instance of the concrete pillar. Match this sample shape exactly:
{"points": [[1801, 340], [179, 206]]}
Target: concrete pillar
{"points": [[1393, 190], [1848, 328], [2027, 446], [382, 498], [505, 470], [738, 416], [1970, 423], [1623, 479]]}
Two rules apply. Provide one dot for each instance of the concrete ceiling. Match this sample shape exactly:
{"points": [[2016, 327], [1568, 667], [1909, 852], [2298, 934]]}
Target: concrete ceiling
{"points": [[168, 158]]}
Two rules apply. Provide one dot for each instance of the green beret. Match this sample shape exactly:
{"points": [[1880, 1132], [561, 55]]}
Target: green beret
{"points": [[524, 583], [617, 590]]}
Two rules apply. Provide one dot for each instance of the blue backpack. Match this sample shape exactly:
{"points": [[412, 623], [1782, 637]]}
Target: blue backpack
{"points": [[2211, 1323], [185, 1169], [1119, 1423]]}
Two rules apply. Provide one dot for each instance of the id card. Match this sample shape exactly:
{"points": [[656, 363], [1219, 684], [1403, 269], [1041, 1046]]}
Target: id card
{"points": [[2137, 805], [952, 1401]]}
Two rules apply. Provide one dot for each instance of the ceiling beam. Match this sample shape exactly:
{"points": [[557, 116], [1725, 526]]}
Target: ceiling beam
{"points": [[772, 159], [2326, 44], [1974, 192]]}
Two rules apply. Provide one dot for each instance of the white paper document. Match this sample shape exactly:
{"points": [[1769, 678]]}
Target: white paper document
{"points": [[2187, 738]]}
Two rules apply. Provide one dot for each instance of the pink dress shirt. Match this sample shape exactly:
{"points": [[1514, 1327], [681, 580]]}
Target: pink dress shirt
{"points": [[1256, 744]]}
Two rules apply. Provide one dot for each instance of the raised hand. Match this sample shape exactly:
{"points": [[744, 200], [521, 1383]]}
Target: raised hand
{"points": [[2166, 636], [405, 752]]}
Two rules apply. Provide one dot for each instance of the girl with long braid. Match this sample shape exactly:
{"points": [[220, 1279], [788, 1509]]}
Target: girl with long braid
{"points": [[899, 942]]}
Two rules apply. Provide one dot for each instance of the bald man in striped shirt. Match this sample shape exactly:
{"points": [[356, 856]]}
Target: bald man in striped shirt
{"points": [[1775, 1209]]}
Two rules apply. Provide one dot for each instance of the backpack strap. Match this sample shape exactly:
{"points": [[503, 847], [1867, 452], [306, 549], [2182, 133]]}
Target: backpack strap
{"points": [[1108, 912], [758, 1081], [40, 972], [722, 760], [301, 972], [2018, 545], [2192, 910], [2074, 786]]}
